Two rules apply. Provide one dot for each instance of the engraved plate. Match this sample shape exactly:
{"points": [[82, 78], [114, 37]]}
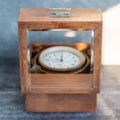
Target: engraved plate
{"points": [[60, 14]]}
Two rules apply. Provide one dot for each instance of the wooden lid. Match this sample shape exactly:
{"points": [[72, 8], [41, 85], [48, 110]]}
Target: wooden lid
{"points": [[76, 15]]}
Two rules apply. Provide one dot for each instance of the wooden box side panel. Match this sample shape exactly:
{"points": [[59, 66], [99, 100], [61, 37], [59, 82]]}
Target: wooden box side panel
{"points": [[60, 83], [97, 58], [61, 80], [60, 102], [23, 57]]}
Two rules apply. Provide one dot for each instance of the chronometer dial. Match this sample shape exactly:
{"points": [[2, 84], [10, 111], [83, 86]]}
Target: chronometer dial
{"points": [[61, 58]]}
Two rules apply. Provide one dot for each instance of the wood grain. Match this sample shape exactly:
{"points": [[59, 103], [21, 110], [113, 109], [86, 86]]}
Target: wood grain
{"points": [[60, 83], [65, 94], [23, 58], [77, 14], [97, 58], [60, 102], [83, 19], [61, 79]]}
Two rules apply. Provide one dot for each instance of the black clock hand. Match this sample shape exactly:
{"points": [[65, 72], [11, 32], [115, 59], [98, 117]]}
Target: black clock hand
{"points": [[61, 60]]}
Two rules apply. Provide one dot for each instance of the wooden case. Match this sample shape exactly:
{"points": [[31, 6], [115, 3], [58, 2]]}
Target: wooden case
{"points": [[60, 92]]}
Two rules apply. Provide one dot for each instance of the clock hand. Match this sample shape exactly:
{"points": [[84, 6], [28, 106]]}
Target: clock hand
{"points": [[61, 60]]}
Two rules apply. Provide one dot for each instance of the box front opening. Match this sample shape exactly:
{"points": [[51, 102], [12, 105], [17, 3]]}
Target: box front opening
{"points": [[60, 51], [69, 59]]}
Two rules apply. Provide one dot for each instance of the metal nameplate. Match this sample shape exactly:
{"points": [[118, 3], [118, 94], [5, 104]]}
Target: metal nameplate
{"points": [[59, 14]]}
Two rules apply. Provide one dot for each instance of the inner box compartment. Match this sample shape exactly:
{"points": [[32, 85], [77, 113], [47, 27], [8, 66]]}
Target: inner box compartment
{"points": [[36, 48], [49, 79], [41, 77]]}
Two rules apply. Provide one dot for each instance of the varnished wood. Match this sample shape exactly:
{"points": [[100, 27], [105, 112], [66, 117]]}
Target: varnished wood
{"points": [[60, 102], [77, 15], [69, 80], [60, 83], [23, 58], [61, 89], [52, 93], [97, 57], [40, 18]]}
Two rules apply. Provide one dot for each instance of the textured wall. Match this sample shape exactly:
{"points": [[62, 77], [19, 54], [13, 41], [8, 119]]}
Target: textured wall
{"points": [[9, 12]]}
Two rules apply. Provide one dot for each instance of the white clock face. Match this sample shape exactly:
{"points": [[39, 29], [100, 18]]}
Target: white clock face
{"points": [[61, 58]]}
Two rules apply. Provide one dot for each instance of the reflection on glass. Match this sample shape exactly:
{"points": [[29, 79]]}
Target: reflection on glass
{"points": [[61, 47]]}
